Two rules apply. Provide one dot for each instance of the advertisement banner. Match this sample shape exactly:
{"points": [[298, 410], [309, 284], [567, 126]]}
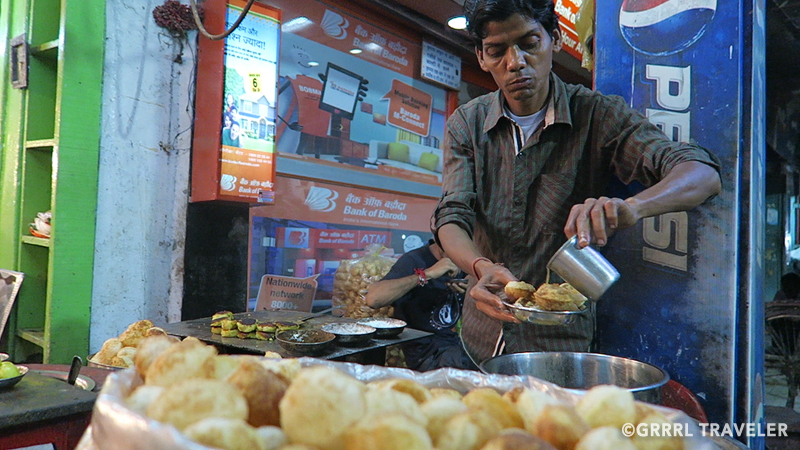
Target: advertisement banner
{"points": [[566, 10], [329, 203], [247, 153], [409, 108], [679, 304], [342, 108], [289, 293], [335, 28]]}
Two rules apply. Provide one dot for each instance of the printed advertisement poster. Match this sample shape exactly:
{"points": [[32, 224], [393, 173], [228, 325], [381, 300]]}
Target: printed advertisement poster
{"points": [[567, 10], [301, 240], [325, 202], [248, 120], [347, 97]]}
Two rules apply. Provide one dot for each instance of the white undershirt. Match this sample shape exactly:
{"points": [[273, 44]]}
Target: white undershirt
{"points": [[527, 124]]}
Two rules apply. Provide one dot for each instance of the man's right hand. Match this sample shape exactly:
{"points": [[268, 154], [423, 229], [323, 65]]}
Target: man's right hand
{"points": [[493, 279], [442, 267]]}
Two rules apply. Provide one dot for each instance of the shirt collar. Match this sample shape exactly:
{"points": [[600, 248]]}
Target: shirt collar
{"points": [[557, 106]]}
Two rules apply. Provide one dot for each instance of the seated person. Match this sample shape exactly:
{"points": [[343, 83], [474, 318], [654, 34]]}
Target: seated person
{"points": [[420, 288]]}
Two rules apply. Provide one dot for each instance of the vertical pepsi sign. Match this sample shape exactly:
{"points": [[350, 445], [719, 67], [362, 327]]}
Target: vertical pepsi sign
{"points": [[688, 300]]}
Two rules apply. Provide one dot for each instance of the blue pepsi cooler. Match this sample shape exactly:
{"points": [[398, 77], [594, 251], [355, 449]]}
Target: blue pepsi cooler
{"points": [[688, 299]]}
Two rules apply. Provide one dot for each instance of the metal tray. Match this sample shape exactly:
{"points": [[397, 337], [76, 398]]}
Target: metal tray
{"points": [[8, 382], [541, 317], [82, 381]]}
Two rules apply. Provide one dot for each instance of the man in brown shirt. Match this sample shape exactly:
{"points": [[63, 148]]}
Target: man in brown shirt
{"points": [[526, 167]]}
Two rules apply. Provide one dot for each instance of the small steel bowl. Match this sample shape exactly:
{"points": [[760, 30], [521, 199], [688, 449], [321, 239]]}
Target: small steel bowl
{"points": [[305, 342], [542, 317], [350, 333], [384, 327], [3, 357], [6, 383]]}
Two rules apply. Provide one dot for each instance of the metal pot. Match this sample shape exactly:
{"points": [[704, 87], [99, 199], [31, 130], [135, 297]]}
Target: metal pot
{"points": [[579, 372], [585, 269]]}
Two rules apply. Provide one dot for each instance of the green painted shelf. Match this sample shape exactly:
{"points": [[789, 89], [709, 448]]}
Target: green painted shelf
{"points": [[50, 147], [33, 240]]}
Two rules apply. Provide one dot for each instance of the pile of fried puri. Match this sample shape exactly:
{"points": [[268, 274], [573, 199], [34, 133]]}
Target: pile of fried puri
{"points": [[549, 296], [253, 403], [120, 351]]}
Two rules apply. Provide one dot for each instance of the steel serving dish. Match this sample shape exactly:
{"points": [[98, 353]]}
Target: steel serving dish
{"points": [[305, 342], [578, 372], [350, 333], [384, 327], [6, 383], [90, 363], [585, 269], [542, 317]]}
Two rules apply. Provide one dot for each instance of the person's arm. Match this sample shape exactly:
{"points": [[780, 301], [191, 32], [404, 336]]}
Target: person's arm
{"points": [[491, 277], [386, 292], [686, 186]]}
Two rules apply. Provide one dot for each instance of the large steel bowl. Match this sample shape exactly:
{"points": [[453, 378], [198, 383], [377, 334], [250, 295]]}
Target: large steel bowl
{"points": [[350, 333], [581, 371], [305, 342]]}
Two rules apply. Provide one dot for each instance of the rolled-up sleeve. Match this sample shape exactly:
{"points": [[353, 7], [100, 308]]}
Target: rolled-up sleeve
{"points": [[458, 185], [641, 151]]}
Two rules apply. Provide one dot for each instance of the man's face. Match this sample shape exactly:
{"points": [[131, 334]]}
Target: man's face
{"points": [[518, 53], [234, 131]]}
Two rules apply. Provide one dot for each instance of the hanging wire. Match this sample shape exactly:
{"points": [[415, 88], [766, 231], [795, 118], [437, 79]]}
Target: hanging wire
{"points": [[216, 37]]}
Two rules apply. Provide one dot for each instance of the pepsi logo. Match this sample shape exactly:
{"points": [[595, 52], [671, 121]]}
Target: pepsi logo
{"points": [[664, 27]]}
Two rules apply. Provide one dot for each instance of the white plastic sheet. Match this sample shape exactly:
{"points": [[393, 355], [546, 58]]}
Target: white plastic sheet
{"points": [[115, 426]]}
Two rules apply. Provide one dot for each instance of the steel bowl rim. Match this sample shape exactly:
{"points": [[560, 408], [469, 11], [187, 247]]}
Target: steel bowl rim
{"points": [[385, 331], [657, 385], [543, 317], [9, 382], [90, 363], [329, 337], [352, 338]]}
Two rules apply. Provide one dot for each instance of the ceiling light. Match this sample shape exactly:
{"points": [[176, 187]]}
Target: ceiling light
{"points": [[313, 64], [296, 24], [457, 23], [355, 51]]}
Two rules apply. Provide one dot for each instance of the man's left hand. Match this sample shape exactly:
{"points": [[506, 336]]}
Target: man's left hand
{"points": [[457, 286], [595, 220]]}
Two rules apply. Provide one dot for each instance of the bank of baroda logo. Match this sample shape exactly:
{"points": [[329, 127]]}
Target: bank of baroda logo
{"points": [[334, 25], [321, 199], [664, 27]]}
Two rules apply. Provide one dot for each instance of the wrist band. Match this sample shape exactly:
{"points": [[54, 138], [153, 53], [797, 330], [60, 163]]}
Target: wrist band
{"points": [[475, 269], [422, 279]]}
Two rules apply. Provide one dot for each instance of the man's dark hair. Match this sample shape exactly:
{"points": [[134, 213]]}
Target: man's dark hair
{"points": [[481, 12]]}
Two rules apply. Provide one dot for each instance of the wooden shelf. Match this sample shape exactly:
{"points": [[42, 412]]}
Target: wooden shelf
{"points": [[33, 335], [40, 144], [33, 240]]}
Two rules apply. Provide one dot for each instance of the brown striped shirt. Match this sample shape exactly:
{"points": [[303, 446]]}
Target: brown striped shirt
{"points": [[515, 207]]}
